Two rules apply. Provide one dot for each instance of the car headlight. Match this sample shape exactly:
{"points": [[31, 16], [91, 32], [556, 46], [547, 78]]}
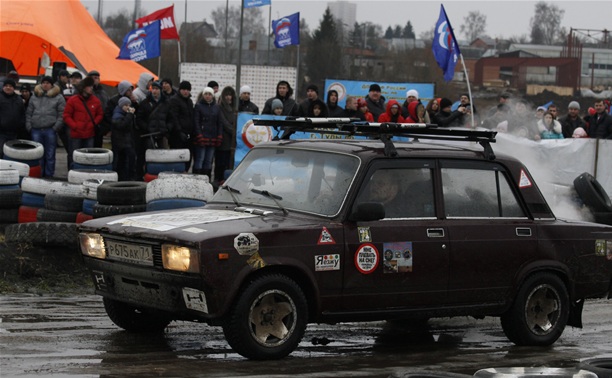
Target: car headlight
{"points": [[92, 245], [181, 259]]}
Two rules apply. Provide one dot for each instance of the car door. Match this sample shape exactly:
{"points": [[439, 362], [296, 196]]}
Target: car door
{"points": [[401, 260], [491, 237]]}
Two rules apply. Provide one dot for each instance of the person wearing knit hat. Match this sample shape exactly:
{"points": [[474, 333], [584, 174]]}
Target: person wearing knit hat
{"points": [[123, 101], [12, 113], [411, 96], [9, 82], [376, 101], [208, 131], [362, 106], [312, 94], [447, 118], [572, 120], [181, 114], [185, 85], [244, 101], [123, 123], [62, 80], [277, 107], [167, 89], [48, 79], [156, 84]]}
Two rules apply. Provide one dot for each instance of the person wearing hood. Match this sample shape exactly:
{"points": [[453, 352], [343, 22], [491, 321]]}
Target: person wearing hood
{"points": [[376, 101], [142, 87], [44, 120], [122, 139], [318, 109], [416, 113], [124, 90], [392, 113], [447, 118], [283, 93], [549, 127], [224, 154], [181, 115], [208, 131], [82, 113], [334, 110], [362, 106], [245, 105]]}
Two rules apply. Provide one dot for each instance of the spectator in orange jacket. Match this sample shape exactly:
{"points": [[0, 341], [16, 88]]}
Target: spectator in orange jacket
{"points": [[392, 113], [82, 113]]}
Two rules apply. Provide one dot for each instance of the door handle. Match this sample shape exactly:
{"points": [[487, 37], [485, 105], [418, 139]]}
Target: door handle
{"points": [[435, 232], [520, 231]]}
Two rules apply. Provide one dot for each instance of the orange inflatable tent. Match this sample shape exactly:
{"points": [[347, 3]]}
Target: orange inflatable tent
{"points": [[65, 31]]}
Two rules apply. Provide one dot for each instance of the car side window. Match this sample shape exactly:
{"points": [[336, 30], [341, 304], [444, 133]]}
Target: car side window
{"points": [[478, 193], [404, 192]]}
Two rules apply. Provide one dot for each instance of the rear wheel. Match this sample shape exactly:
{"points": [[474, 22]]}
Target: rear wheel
{"points": [[539, 313], [134, 319], [269, 318]]}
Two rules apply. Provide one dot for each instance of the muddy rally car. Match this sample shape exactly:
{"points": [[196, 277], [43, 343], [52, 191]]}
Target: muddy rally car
{"points": [[358, 226]]}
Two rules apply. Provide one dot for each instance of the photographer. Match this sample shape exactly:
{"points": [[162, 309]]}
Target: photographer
{"points": [[122, 139]]}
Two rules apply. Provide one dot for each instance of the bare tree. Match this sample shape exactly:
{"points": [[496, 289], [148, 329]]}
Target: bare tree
{"points": [[546, 24], [474, 25], [254, 22]]}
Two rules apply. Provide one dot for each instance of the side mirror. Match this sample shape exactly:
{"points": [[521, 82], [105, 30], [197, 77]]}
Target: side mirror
{"points": [[367, 211]]}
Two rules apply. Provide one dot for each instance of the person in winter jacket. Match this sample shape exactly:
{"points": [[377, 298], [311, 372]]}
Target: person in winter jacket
{"points": [[318, 109], [312, 95], [445, 117], [350, 109], [571, 121], [225, 152], [376, 101], [333, 109], [168, 90], [362, 105], [81, 114], [104, 127], [245, 104], [181, 116], [600, 123], [142, 87], [122, 138], [12, 113], [433, 106], [392, 113], [283, 93], [208, 131], [549, 127], [44, 120], [416, 113]]}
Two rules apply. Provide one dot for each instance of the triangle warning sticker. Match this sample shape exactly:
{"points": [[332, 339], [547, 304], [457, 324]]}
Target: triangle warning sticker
{"points": [[325, 237], [524, 181]]}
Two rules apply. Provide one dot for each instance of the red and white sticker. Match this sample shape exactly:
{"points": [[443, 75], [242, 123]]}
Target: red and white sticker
{"points": [[325, 237], [367, 258], [524, 181]]}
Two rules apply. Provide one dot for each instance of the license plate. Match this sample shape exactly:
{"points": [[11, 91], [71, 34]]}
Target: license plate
{"points": [[133, 253]]}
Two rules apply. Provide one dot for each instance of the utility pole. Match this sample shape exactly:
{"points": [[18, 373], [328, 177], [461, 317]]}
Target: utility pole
{"points": [[100, 13]]}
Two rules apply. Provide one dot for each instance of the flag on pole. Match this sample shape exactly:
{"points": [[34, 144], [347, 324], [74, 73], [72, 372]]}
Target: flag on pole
{"points": [[166, 18], [287, 31], [141, 44], [256, 3], [445, 47]]}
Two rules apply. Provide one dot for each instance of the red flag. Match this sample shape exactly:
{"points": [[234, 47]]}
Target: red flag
{"points": [[166, 18]]}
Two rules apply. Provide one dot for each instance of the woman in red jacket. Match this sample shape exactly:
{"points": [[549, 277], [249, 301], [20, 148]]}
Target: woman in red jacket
{"points": [[392, 114]]}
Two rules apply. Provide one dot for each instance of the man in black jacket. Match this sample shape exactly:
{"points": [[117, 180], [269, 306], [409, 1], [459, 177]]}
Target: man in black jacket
{"points": [[245, 104], [12, 113], [376, 101], [600, 123], [181, 117]]}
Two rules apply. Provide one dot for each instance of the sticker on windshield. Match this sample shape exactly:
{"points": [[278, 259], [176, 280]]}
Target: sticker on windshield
{"points": [[524, 181], [366, 258], [327, 262], [325, 237], [246, 244], [398, 257], [364, 234]]}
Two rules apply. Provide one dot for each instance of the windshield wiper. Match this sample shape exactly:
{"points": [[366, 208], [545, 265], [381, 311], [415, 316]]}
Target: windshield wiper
{"points": [[231, 192], [274, 197]]}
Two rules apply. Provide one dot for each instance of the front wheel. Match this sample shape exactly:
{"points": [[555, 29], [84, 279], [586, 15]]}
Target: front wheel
{"points": [[539, 313], [268, 319], [134, 319]]}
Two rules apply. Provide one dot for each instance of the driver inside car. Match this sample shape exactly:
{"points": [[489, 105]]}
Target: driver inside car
{"points": [[384, 187]]}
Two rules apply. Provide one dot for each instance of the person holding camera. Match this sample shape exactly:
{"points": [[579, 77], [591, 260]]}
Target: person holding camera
{"points": [[122, 139]]}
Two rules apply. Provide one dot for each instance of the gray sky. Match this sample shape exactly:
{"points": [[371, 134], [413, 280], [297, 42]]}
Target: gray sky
{"points": [[504, 18]]}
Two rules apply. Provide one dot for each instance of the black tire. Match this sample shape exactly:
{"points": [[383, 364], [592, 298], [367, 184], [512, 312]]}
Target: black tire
{"points": [[601, 366], [9, 215], [135, 319], [100, 211], [278, 294], [43, 233], [61, 202], [542, 301], [46, 215], [592, 193], [10, 198], [122, 193]]}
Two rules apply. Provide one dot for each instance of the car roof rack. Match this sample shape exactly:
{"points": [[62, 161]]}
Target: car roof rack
{"points": [[383, 131]]}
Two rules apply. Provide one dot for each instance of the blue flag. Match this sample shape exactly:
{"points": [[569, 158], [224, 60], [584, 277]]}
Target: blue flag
{"points": [[445, 47], [141, 44], [255, 3], [287, 31]]}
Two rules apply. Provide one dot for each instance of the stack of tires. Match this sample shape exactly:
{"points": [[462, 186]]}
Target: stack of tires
{"points": [[33, 200], [10, 195], [174, 160], [90, 198], [22, 168], [594, 197], [92, 158], [25, 151], [178, 190], [124, 197]]}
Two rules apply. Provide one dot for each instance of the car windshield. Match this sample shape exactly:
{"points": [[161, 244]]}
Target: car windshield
{"points": [[301, 180]]}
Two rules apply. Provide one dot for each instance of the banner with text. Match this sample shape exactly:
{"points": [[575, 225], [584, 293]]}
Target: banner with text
{"points": [[391, 91]]}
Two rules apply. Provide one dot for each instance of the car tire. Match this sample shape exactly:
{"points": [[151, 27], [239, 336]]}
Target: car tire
{"points": [[592, 193], [602, 366], [27, 214], [9, 176], [10, 198], [32, 199], [78, 176], [107, 167], [100, 211], [122, 193], [46, 186], [167, 156], [280, 294], [541, 302], [90, 188], [22, 168], [22, 149], [88, 205], [135, 319], [92, 156], [43, 233], [46, 215], [59, 202]]}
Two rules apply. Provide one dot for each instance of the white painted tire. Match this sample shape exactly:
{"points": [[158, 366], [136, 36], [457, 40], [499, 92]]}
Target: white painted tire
{"points": [[167, 156], [23, 168], [22, 149], [9, 176], [172, 175], [179, 186], [90, 188], [46, 186], [78, 176], [93, 156]]}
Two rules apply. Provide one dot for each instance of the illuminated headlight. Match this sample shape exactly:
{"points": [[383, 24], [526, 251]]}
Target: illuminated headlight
{"points": [[182, 259], [92, 245]]}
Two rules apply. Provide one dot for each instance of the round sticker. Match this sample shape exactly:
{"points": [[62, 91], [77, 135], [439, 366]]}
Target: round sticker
{"points": [[253, 134], [366, 258]]}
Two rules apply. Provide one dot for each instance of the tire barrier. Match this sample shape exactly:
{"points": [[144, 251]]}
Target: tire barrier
{"points": [[78, 176], [46, 215], [100, 211], [184, 186], [22, 168], [27, 214], [10, 198], [32, 200], [122, 193], [88, 205], [59, 202], [9, 215], [21, 149], [90, 188], [156, 168], [592, 193], [167, 156], [44, 234], [106, 167], [92, 156], [148, 177], [46, 186]]}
